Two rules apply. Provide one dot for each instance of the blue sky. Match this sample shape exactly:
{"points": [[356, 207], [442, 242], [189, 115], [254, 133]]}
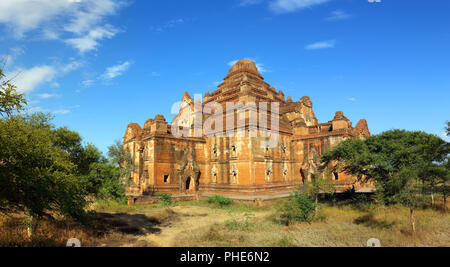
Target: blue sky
{"points": [[98, 65]]}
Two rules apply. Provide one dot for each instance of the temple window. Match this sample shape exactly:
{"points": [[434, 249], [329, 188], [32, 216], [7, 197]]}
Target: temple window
{"points": [[285, 171], [269, 174], [166, 178], [336, 176], [283, 148], [214, 175], [233, 150], [234, 175]]}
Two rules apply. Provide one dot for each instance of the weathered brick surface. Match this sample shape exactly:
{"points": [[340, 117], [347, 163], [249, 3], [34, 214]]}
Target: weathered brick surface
{"points": [[237, 165]]}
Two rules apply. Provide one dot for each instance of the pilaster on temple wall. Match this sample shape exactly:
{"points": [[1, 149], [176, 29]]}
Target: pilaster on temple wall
{"points": [[174, 158]]}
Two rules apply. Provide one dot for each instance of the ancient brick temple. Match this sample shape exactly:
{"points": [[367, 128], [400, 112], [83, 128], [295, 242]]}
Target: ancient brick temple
{"points": [[239, 165]]}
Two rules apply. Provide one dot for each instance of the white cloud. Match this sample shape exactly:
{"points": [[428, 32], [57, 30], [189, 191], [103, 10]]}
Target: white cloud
{"points": [[61, 111], [90, 41], [231, 63], [11, 55], [170, 24], [73, 65], [338, 15], [83, 20], [55, 84], [34, 109], [261, 68], [321, 45], [87, 83], [28, 80], [352, 99], [25, 15], [445, 137], [91, 12], [286, 6], [115, 71], [46, 96], [249, 2]]}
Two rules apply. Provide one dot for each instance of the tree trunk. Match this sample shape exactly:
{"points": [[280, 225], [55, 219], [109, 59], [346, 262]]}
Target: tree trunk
{"points": [[317, 204], [432, 197], [413, 220], [445, 202], [32, 225]]}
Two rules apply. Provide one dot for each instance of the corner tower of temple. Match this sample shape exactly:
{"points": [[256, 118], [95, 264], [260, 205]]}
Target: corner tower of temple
{"points": [[196, 163]]}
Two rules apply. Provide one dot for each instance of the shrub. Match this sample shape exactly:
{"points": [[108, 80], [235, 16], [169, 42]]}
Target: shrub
{"points": [[213, 234], [298, 207], [165, 199], [241, 224], [361, 201], [220, 200]]}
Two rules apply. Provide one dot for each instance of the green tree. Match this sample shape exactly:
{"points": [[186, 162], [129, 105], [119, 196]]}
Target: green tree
{"points": [[121, 158], [69, 142], [106, 178], [10, 99], [36, 176], [89, 154], [103, 181], [319, 184], [299, 207], [394, 161], [82, 156]]}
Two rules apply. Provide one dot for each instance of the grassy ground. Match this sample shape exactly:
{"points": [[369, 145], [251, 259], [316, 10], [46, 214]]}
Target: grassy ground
{"points": [[198, 223], [337, 226]]}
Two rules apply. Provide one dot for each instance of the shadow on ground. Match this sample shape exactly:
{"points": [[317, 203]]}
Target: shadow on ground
{"points": [[369, 220], [133, 224]]}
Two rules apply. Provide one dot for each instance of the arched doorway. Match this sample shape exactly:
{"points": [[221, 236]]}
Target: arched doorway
{"points": [[188, 184], [303, 175]]}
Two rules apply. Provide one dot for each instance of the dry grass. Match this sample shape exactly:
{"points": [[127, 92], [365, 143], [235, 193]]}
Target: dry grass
{"points": [[198, 223], [104, 229], [337, 226], [13, 232]]}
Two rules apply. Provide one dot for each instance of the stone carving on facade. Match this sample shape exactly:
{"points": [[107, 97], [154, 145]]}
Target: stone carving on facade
{"points": [[269, 173], [214, 174], [267, 151], [233, 149], [285, 172], [214, 151], [310, 166], [283, 148], [185, 157], [188, 175], [234, 174]]}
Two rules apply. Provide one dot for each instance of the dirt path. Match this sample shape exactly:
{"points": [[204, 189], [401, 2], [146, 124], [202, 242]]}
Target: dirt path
{"points": [[188, 218], [159, 230]]}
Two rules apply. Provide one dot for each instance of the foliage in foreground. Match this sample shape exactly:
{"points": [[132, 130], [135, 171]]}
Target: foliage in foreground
{"points": [[220, 200], [243, 223], [36, 175], [46, 170], [403, 165], [10, 99], [165, 199], [298, 208]]}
